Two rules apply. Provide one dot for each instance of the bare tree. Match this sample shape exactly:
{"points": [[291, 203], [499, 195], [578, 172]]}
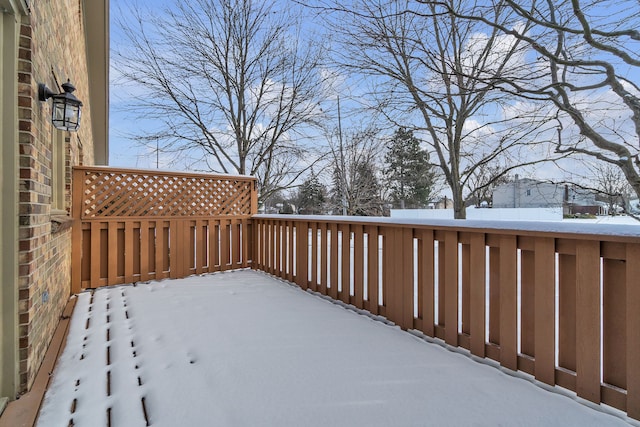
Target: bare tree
{"points": [[430, 66], [584, 62], [610, 183], [484, 181], [232, 78], [354, 164]]}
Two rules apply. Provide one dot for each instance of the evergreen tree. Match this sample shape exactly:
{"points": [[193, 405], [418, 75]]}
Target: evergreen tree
{"points": [[408, 174], [311, 197]]}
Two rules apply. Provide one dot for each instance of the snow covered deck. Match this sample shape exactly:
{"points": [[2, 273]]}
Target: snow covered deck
{"points": [[244, 349]]}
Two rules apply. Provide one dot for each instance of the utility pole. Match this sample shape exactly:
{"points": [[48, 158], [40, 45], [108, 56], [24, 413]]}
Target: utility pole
{"points": [[343, 177]]}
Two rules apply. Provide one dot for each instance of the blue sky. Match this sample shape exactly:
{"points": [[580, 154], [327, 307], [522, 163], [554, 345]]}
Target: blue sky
{"points": [[124, 152], [123, 125]]}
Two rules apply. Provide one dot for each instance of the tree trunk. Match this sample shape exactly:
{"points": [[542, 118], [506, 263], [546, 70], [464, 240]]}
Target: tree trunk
{"points": [[459, 210]]}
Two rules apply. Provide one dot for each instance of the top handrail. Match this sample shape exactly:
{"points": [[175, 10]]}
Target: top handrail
{"points": [[612, 232]]}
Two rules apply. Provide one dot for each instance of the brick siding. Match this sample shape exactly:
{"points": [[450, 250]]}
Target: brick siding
{"points": [[51, 50]]}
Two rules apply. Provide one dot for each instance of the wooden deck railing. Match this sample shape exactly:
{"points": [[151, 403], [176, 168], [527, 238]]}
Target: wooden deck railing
{"points": [[134, 225], [563, 306]]}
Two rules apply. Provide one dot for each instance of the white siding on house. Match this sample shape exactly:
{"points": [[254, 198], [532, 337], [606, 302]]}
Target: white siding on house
{"points": [[528, 193]]}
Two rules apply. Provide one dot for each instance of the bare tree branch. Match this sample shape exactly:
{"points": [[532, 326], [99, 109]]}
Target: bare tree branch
{"points": [[233, 78], [431, 68]]}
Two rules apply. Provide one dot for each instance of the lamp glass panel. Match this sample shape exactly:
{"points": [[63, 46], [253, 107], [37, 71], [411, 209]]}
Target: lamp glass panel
{"points": [[65, 115]]}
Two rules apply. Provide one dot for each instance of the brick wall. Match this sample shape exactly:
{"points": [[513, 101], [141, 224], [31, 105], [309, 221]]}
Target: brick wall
{"points": [[52, 50]]}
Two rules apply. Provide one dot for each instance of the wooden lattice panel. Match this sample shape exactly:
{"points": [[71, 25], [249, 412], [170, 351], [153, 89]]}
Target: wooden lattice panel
{"points": [[130, 193]]}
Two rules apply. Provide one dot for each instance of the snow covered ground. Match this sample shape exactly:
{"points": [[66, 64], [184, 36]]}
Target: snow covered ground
{"points": [[244, 349], [619, 219]]}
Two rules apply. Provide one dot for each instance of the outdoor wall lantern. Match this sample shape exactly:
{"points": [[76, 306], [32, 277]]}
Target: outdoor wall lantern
{"points": [[65, 111]]}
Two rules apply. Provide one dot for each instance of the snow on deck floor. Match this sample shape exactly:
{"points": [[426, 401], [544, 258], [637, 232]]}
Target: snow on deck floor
{"points": [[244, 349]]}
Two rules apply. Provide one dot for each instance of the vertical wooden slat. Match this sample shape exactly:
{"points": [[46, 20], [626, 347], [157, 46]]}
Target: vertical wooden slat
{"points": [[166, 253], [199, 229], [451, 288], [112, 271], [78, 252], [567, 312], [144, 250], [151, 237], [390, 273], [333, 260], [302, 235], [214, 236], [273, 242], [206, 235], [241, 230], [202, 246], [588, 320], [406, 277], [175, 248], [313, 264], [633, 331], [544, 312], [252, 247], [254, 196], [190, 231], [426, 307], [271, 231], [477, 294], [263, 245], [280, 250], [245, 229], [614, 323], [256, 249], [527, 302], [494, 295], [231, 242], [136, 251], [323, 258], [358, 266], [121, 252], [129, 254], [372, 268], [466, 289], [99, 254], [237, 239], [86, 258], [224, 245], [160, 249], [508, 303], [442, 272], [398, 275], [291, 253], [346, 263], [278, 230]]}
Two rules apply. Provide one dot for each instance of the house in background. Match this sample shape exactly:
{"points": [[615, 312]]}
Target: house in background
{"points": [[47, 42], [528, 193], [582, 201], [531, 193]]}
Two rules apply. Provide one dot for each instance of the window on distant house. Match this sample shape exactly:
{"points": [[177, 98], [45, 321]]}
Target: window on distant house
{"points": [[529, 192]]}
